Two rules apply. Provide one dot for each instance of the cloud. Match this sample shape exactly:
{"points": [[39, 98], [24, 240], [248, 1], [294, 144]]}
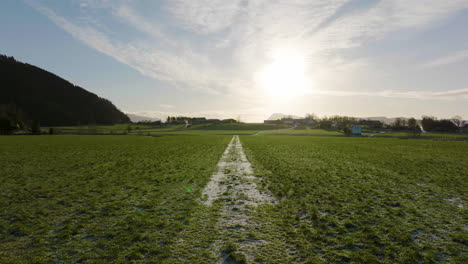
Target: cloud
{"points": [[218, 46], [134, 19], [422, 95], [179, 66], [166, 106], [205, 16], [384, 18], [446, 60]]}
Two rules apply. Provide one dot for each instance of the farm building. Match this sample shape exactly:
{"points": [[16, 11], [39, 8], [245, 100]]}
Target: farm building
{"points": [[198, 120], [356, 130]]}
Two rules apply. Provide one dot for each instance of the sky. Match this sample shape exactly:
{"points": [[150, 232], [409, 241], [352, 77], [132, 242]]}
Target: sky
{"points": [[249, 59]]}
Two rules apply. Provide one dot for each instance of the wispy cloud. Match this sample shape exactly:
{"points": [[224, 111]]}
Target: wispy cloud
{"points": [[134, 19], [177, 65], [218, 46], [422, 95], [166, 106], [206, 16], [446, 60]]}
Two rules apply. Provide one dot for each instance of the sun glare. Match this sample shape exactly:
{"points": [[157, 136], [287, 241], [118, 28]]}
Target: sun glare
{"points": [[284, 77]]}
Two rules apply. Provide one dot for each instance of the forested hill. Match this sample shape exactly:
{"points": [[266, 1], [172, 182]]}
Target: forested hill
{"points": [[37, 94]]}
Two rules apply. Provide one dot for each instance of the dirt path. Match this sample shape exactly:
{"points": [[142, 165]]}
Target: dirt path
{"points": [[235, 186]]}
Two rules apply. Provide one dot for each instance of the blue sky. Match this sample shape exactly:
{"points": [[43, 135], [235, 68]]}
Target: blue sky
{"points": [[220, 58]]}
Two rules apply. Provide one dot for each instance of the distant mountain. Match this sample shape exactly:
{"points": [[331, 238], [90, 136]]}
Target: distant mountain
{"points": [[53, 101], [138, 118], [277, 116]]}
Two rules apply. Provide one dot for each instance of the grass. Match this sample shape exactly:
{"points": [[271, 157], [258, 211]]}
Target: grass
{"points": [[435, 136], [304, 132], [198, 129], [99, 199], [363, 200], [240, 129], [111, 129]]}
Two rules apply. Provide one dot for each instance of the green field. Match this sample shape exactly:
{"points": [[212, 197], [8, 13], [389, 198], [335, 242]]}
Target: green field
{"points": [[436, 136], [101, 199], [366, 200], [241, 129], [197, 129]]}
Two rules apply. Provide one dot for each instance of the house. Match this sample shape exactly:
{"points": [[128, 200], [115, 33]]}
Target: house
{"points": [[198, 120], [356, 130]]}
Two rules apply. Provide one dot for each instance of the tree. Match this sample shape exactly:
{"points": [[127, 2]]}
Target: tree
{"points": [[413, 126], [347, 131], [398, 122], [458, 121], [412, 123], [30, 93], [429, 123], [5, 126], [168, 119], [311, 117], [36, 127], [444, 125]]}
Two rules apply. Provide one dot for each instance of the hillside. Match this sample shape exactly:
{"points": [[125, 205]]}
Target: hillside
{"points": [[36, 94]]}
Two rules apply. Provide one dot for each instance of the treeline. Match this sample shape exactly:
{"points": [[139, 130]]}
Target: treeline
{"points": [[149, 122], [188, 119], [427, 123], [432, 124], [29, 93], [170, 119]]}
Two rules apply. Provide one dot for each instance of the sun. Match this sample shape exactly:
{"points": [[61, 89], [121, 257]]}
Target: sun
{"points": [[284, 77]]}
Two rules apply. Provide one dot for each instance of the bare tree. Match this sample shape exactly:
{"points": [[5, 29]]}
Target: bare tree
{"points": [[458, 121]]}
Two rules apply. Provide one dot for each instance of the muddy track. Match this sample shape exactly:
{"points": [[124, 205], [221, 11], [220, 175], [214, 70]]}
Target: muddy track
{"points": [[235, 186]]}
